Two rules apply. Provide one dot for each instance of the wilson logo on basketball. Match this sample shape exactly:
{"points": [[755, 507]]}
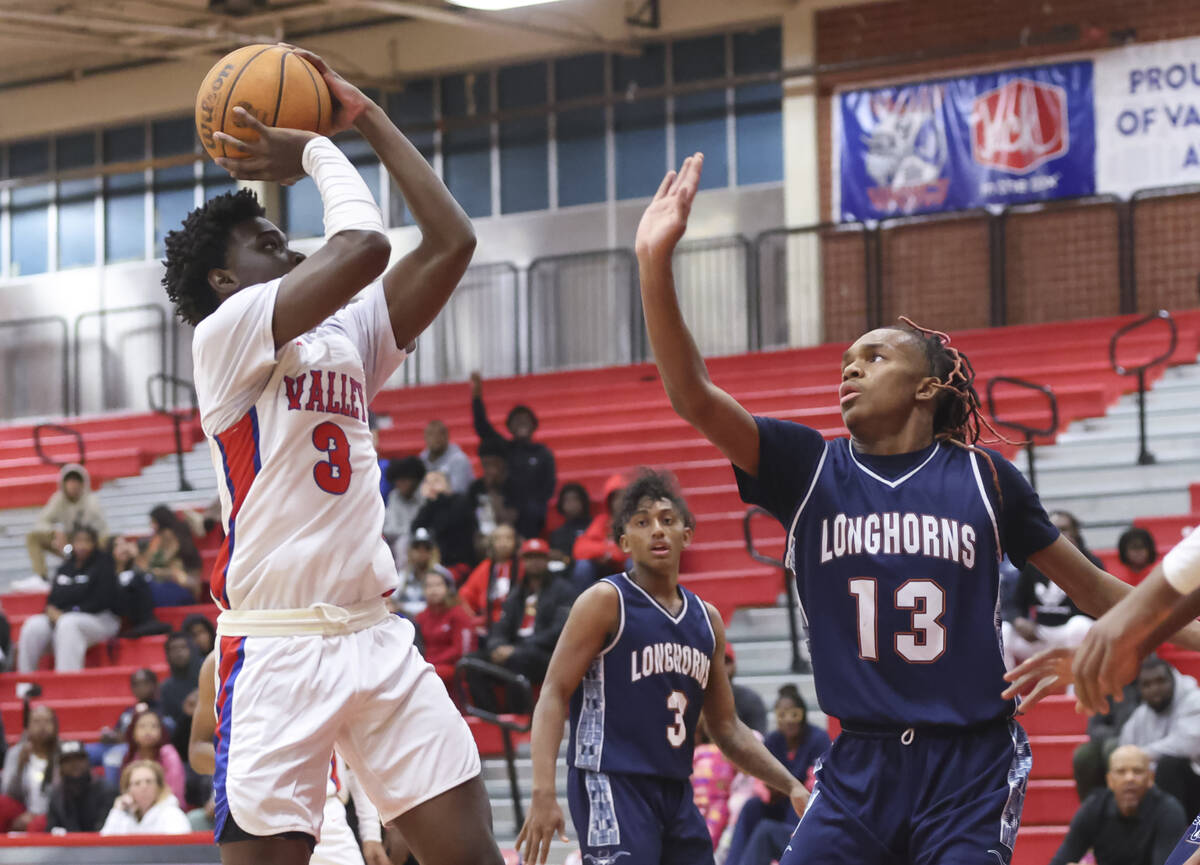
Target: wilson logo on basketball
{"points": [[1019, 126]]}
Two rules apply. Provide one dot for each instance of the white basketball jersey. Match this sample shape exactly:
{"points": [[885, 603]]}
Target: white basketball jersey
{"points": [[297, 473]]}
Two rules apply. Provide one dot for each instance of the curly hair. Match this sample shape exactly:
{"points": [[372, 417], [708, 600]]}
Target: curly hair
{"points": [[656, 486], [198, 247]]}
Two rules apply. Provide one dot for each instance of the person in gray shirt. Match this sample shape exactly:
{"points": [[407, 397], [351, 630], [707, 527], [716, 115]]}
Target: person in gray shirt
{"points": [[442, 455]]}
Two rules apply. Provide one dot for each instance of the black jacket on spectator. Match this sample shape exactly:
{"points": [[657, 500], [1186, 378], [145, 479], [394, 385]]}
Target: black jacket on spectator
{"points": [[1103, 728], [85, 587], [1146, 838], [1049, 604], [562, 539], [451, 520], [79, 807], [531, 469], [553, 606]]}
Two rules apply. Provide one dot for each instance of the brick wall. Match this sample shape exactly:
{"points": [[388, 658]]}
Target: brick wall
{"points": [[1060, 264]]}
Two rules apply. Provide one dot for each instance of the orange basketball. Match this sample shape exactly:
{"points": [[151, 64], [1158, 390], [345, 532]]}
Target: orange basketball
{"points": [[272, 83]]}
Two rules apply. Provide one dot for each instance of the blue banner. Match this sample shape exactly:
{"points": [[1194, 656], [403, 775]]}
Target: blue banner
{"points": [[999, 138]]}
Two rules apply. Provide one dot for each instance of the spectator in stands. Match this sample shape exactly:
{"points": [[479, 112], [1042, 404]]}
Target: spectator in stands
{"points": [[1045, 617], [143, 685], [750, 708], [79, 610], [765, 825], [374, 424], [596, 554], [523, 639], [1132, 822], [442, 455], [1137, 551], [423, 559], [450, 518], [712, 781], [202, 632], [79, 802], [576, 510], [171, 558], [135, 597], [1167, 727], [30, 770], [530, 463], [184, 663], [488, 586], [146, 805], [445, 626], [72, 506], [493, 492], [1090, 760], [147, 739], [403, 504]]}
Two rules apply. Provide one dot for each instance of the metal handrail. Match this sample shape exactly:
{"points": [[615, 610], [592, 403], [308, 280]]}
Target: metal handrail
{"points": [[1144, 455], [508, 724], [102, 315], [177, 417], [65, 430], [66, 348], [1028, 432], [798, 665]]}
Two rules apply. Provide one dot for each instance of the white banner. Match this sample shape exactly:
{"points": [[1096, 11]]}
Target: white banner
{"points": [[1147, 116]]}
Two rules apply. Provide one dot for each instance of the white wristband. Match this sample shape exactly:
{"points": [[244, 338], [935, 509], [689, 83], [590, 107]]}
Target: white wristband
{"points": [[1181, 566], [348, 202]]}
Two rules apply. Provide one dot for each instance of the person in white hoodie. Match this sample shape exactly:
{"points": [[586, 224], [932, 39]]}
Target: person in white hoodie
{"points": [[1167, 727], [72, 506], [145, 806]]}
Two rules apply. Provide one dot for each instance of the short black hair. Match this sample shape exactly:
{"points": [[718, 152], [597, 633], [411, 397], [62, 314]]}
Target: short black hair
{"points": [[87, 530], [520, 408], [178, 635], [73, 473], [143, 673], [1154, 662], [581, 491], [199, 247], [411, 468], [653, 485], [1132, 535], [493, 447]]}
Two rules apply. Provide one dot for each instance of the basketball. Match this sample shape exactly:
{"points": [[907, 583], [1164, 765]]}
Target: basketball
{"points": [[273, 83]]}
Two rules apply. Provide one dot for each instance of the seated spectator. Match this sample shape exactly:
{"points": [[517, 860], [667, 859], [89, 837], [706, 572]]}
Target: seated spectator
{"points": [[202, 632], [30, 770], [489, 584], [79, 610], [523, 639], [765, 825], [712, 780], [403, 504], [373, 424], [423, 558], [450, 518], [135, 597], [1167, 727], [493, 492], [73, 505], [79, 801], [1137, 552], [446, 628], [1090, 760], [530, 463], [143, 685], [1132, 822], [576, 510], [750, 708], [147, 739], [596, 554], [184, 664], [146, 805], [171, 558], [442, 455]]}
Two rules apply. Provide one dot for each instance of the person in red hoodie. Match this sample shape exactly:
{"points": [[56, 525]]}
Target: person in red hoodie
{"points": [[595, 552], [445, 626]]}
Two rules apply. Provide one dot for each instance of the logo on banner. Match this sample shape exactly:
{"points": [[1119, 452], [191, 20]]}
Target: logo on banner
{"points": [[906, 151], [1019, 126]]}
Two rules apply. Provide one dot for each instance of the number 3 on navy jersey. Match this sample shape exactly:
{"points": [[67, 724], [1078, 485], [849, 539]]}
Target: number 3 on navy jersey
{"points": [[677, 730], [925, 642], [333, 474]]}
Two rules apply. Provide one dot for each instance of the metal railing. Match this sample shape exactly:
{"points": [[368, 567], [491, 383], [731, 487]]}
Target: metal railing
{"points": [[789, 585], [61, 430], [178, 418], [19, 324], [1140, 369], [1027, 431], [102, 316]]}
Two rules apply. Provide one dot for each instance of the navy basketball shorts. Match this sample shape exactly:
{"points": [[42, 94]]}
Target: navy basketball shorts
{"points": [[1188, 845], [925, 796], [636, 820]]}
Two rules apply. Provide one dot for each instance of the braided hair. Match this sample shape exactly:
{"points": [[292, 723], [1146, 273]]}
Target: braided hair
{"points": [[199, 247], [958, 413]]}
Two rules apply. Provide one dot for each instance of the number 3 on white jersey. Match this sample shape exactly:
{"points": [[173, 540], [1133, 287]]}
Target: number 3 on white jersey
{"points": [[677, 702], [925, 643]]}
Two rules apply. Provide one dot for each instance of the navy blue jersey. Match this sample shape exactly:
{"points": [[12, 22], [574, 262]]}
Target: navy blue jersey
{"points": [[896, 562], [636, 709]]}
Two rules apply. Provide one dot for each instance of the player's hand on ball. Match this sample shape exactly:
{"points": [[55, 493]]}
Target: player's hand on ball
{"points": [[545, 820], [1047, 673], [349, 102], [276, 156], [665, 220]]}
